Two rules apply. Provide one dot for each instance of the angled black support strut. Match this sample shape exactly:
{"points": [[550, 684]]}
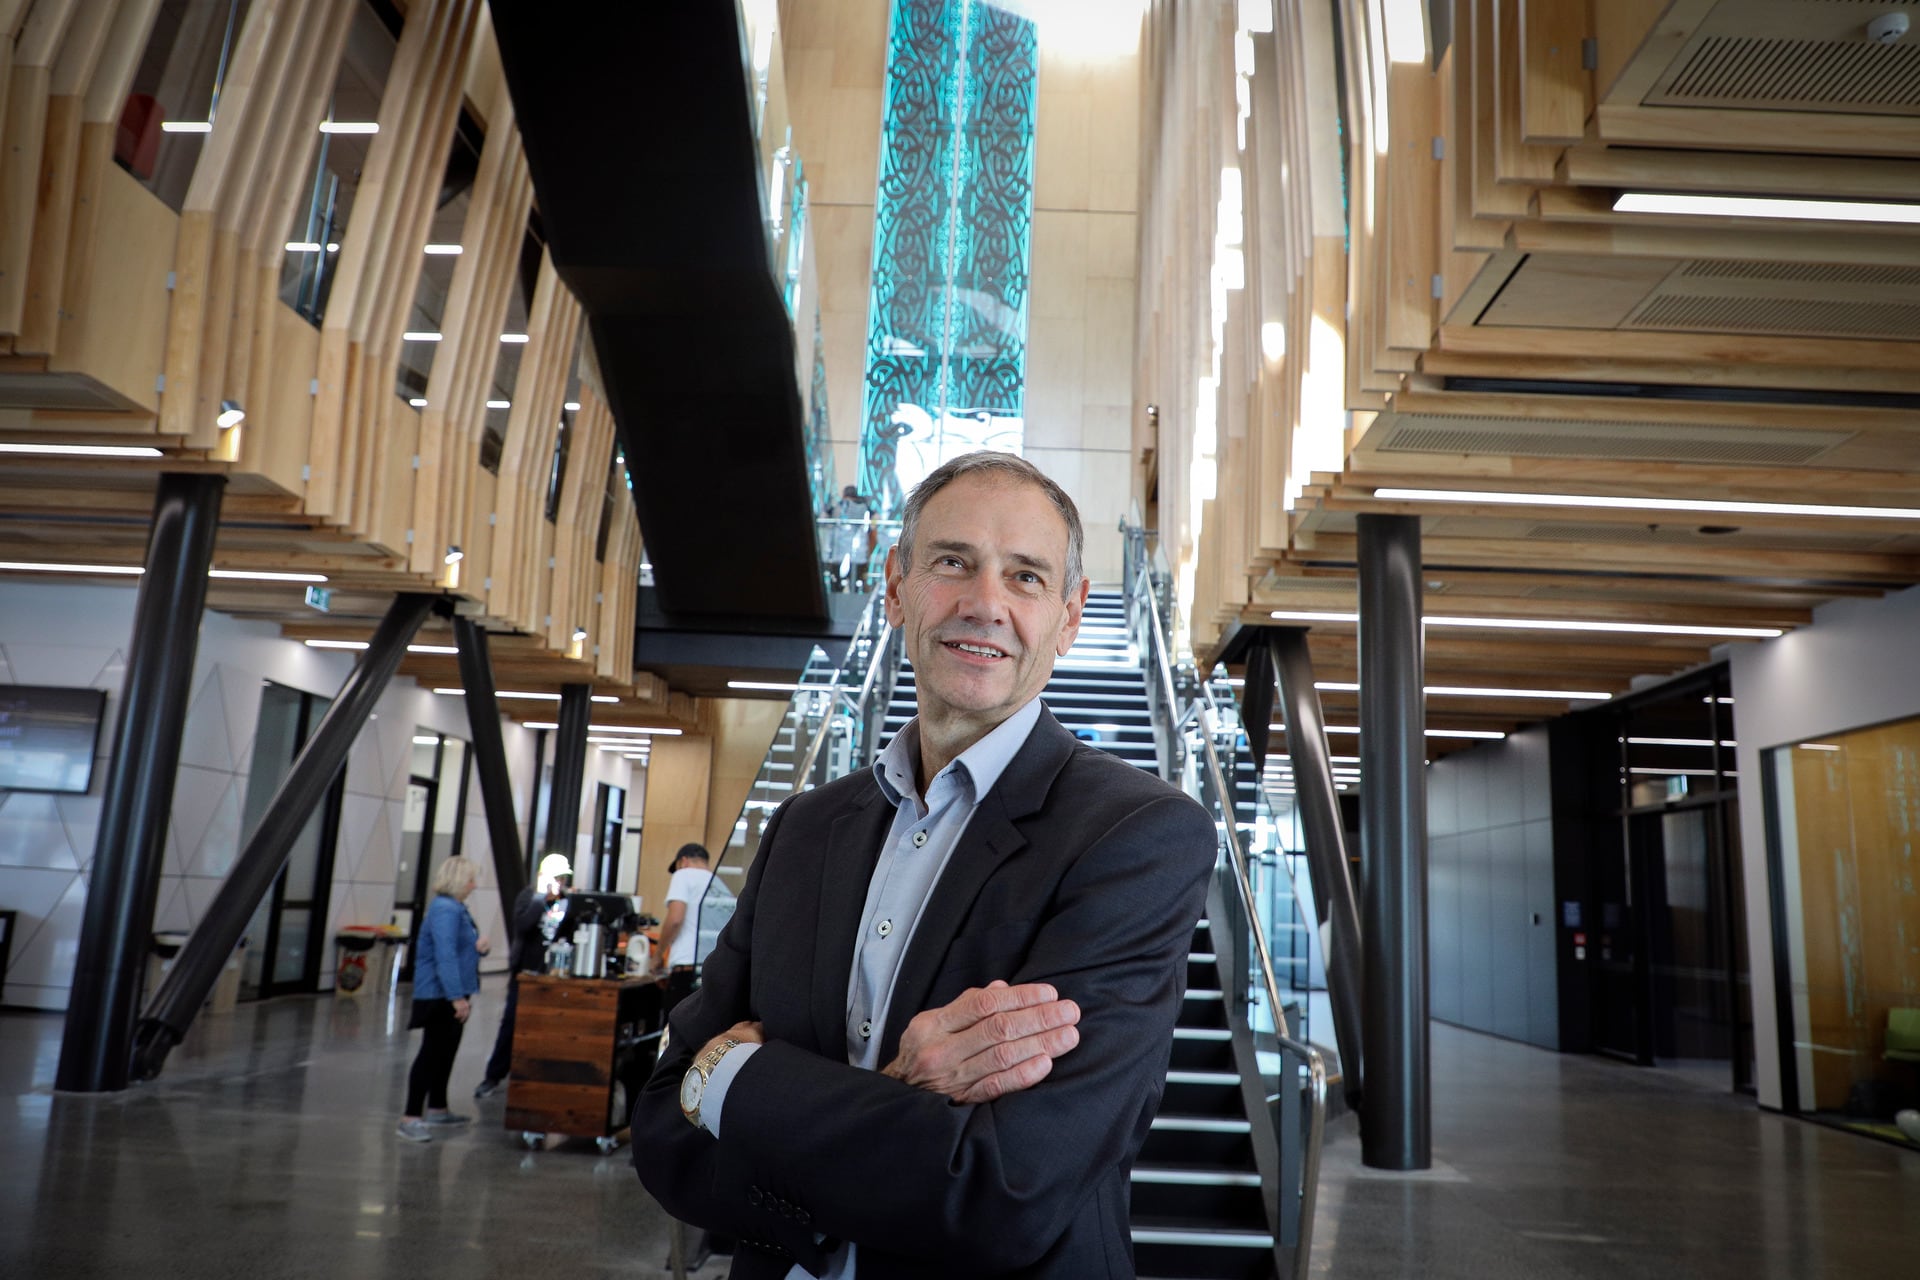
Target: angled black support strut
{"points": [[490, 757], [319, 762], [138, 798], [1334, 897]]}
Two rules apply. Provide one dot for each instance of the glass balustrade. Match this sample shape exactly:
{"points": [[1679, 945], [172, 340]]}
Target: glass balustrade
{"points": [[832, 726]]}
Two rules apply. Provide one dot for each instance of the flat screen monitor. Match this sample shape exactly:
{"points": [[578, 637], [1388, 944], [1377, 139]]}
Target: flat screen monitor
{"points": [[48, 736]]}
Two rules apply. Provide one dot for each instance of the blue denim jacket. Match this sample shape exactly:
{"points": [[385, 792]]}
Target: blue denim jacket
{"points": [[446, 964]]}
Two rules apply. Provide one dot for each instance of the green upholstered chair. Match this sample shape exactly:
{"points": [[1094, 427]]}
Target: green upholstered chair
{"points": [[1903, 1035]]}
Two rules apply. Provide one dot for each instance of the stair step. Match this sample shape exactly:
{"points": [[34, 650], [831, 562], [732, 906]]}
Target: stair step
{"points": [[1203, 1238], [1170, 1175], [1201, 1124]]}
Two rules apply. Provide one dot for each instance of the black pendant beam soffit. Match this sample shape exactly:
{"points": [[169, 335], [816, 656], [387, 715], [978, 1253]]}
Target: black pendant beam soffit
{"points": [[638, 127]]}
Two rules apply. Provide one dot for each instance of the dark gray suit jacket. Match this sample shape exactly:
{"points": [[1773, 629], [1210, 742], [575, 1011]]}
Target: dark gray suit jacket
{"points": [[1078, 870]]}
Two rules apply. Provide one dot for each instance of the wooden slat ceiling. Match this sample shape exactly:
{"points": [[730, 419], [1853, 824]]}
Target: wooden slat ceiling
{"points": [[1578, 350], [101, 294]]}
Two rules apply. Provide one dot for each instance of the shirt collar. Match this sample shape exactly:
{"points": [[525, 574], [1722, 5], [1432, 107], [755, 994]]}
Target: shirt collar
{"points": [[983, 762]]}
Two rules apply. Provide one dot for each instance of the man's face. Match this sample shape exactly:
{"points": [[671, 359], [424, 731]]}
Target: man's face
{"points": [[980, 607]]}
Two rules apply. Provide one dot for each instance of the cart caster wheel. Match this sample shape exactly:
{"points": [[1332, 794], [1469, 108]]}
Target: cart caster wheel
{"points": [[607, 1145], [533, 1140]]}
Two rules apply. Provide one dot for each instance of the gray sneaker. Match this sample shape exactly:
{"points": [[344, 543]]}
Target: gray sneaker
{"points": [[414, 1131], [443, 1118], [487, 1088]]}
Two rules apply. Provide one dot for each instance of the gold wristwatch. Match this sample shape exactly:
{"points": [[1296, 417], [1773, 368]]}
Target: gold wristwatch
{"points": [[693, 1085]]}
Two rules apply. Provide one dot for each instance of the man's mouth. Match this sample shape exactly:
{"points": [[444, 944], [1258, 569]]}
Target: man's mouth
{"points": [[977, 650]]}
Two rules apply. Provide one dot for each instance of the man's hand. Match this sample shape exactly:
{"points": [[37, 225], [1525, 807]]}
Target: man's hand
{"points": [[744, 1032], [990, 1042], [483, 944], [462, 1007]]}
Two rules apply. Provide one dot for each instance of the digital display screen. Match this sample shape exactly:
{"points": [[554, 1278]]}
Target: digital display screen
{"points": [[48, 737]]}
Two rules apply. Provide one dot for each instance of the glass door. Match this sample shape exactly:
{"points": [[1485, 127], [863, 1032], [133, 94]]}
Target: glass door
{"points": [[430, 828], [284, 951]]}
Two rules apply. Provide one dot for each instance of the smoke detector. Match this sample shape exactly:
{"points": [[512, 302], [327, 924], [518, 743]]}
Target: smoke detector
{"points": [[1888, 28]]}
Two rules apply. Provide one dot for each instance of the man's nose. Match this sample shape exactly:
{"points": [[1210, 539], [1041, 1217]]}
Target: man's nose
{"points": [[985, 599]]}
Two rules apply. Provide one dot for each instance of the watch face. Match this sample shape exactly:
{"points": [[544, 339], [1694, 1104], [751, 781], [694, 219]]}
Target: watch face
{"points": [[692, 1086]]}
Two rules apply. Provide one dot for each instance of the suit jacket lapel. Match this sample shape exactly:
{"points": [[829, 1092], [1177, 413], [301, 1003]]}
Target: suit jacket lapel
{"points": [[989, 840], [853, 848]]}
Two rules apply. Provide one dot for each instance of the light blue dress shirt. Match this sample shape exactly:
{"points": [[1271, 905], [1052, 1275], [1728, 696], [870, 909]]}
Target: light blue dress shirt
{"points": [[915, 852]]}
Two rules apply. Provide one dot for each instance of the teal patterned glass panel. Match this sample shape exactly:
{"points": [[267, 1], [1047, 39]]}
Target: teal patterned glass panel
{"points": [[953, 221]]}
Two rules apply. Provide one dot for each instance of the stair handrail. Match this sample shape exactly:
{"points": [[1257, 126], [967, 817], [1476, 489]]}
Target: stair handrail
{"points": [[872, 628], [1199, 715]]}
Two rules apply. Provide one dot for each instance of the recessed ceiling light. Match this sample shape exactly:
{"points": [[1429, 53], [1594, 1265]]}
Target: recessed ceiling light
{"points": [[264, 575], [571, 406], [84, 450], [513, 337], [418, 402], [1765, 207], [349, 126], [1714, 506], [186, 126], [1490, 734], [499, 404], [34, 566], [1549, 624], [774, 686], [303, 246], [444, 250], [420, 335], [506, 693], [604, 697], [1678, 742]]}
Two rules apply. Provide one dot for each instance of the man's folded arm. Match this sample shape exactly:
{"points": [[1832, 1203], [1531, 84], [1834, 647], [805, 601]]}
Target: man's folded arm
{"points": [[992, 1186]]}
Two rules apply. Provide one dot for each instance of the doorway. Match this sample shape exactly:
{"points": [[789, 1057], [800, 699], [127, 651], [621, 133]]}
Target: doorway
{"points": [[609, 817], [1670, 982], [430, 827], [284, 950]]}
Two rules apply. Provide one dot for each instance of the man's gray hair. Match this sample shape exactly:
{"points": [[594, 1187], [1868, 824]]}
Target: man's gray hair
{"points": [[1001, 466]]}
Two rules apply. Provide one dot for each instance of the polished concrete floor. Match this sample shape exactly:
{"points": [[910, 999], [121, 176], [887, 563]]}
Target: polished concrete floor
{"points": [[267, 1150]]}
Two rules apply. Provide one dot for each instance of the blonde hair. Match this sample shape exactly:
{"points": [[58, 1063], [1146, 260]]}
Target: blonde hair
{"points": [[453, 875]]}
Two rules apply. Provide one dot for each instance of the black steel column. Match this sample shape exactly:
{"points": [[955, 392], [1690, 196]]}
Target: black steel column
{"points": [[490, 758], [1326, 839], [299, 794], [1396, 1128], [569, 769], [138, 797]]}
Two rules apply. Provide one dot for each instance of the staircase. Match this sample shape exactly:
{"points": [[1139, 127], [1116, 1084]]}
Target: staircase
{"points": [[1199, 1209]]}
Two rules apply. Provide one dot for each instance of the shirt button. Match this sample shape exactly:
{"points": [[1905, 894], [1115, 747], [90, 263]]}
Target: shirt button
{"points": [[866, 1031], [884, 928], [919, 839]]}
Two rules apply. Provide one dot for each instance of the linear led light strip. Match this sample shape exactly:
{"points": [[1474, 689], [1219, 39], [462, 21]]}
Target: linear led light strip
{"points": [[1490, 734], [1704, 506], [134, 571], [1765, 207], [611, 728], [1550, 624], [361, 644], [1463, 691], [514, 693], [83, 450]]}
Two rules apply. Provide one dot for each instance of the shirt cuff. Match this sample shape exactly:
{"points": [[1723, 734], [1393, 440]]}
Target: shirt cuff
{"points": [[715, 1096]]}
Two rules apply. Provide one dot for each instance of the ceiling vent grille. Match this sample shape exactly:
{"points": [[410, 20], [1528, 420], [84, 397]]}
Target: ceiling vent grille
{"points": [[1812, 317], [1798, 74], [1625, 441], [1670, 534], [1806, 272]]}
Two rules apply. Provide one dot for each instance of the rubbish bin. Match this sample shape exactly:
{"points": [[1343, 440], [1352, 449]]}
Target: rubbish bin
{"points": [[359, 957], [160, 953], [225, 994]]}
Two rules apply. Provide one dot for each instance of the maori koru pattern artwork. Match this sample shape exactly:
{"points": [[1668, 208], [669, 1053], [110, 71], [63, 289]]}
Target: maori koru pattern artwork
{"points": [[953, 224]]}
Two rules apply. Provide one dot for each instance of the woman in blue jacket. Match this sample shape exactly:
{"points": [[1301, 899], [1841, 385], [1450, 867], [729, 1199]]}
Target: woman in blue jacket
{"points": [[446, 973]]}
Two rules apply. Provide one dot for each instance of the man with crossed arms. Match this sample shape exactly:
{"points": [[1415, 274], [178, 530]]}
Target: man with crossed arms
{"points": [[934, 1035]]}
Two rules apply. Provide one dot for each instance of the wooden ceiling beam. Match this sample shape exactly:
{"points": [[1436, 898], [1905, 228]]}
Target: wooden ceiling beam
{"points": [[1450, 363], [1764, 565], [1595, 164]]}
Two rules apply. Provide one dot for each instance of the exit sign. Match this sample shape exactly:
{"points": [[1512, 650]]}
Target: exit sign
{"points": [[320, 598]]}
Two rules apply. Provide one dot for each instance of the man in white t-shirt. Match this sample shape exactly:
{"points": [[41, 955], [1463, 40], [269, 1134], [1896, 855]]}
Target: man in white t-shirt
{"points": [[679, 949]]}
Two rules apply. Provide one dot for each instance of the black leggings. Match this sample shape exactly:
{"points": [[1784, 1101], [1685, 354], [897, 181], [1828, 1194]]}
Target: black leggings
{"points": [[433, 1065]]}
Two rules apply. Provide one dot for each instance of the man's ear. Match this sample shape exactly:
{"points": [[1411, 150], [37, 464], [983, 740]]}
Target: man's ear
{"points": [[1076, 606], [895, 570]]}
